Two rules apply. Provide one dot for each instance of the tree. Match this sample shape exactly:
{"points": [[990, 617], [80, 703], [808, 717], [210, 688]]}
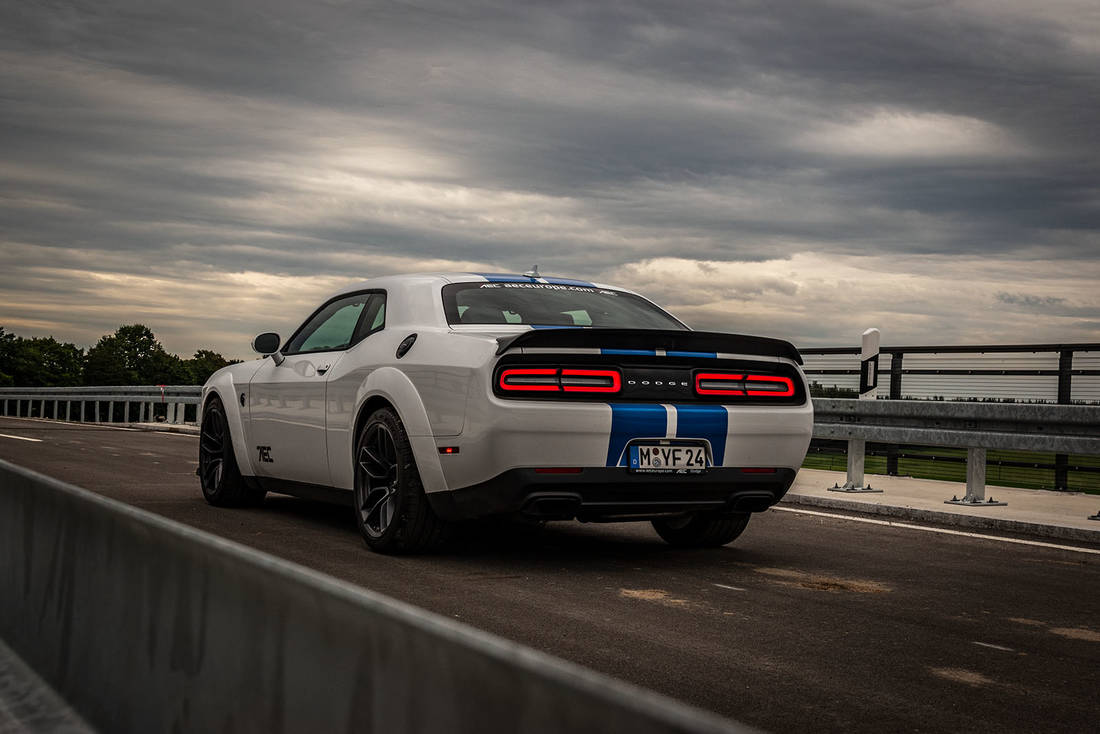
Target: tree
{"points": [[39, 361], [204, 364], [133, 356]]}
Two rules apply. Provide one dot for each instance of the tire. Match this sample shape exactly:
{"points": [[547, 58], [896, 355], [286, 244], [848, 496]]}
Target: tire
{"points": [[219, 475], [391, 509], [701, 529]]}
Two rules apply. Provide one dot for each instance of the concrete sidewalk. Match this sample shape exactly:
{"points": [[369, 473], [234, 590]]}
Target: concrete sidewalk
{"points": [[1032, 511]]}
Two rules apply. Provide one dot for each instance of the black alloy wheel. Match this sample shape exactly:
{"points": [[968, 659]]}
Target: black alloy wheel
{"points": [[391, 509], [219, 475]]}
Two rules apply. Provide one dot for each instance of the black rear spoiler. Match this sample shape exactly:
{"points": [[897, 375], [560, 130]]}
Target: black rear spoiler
{"points": [[667, 339]]}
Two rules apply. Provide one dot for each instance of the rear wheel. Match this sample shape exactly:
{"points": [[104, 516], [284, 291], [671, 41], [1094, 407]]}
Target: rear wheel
{"points": [[701, 529], [391, 509], [222, 484]]}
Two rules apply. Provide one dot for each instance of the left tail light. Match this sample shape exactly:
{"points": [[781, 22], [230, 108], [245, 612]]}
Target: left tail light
{"points": [[519, 380]]}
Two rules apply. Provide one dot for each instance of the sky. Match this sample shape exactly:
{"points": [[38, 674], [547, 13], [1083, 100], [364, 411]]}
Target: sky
{"points": [[804, 170]]}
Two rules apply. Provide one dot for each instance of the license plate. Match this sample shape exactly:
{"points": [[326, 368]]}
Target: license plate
{"points": [[673, 458]]}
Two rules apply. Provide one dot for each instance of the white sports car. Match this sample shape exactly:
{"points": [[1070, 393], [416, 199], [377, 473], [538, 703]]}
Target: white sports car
{"points": [[425, 399]]}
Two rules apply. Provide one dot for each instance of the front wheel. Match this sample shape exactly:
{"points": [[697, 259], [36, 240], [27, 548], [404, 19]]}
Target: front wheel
{"points": [[222, 483], [391, 509], [701, 529]]}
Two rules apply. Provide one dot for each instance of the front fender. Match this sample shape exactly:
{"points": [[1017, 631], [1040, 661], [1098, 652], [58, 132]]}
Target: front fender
{"points": [[225, 384], [395, 387]]}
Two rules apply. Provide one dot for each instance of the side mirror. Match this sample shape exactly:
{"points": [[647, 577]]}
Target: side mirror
{"points": [[267, 344]]}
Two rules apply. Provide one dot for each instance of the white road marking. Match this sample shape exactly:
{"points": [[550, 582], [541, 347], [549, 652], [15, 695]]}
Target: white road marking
{"points": [[942, 531], [995, 647], [731, 588], [21, 438]]}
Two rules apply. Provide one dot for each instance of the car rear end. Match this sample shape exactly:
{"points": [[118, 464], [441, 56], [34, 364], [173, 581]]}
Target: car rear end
{"points": [[606, 424]]}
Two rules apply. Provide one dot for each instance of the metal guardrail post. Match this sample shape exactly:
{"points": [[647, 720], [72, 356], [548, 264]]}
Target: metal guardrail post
{"points": [[68, 410], [1065, 397], [975, 482], [110, 411], [868, 390]]}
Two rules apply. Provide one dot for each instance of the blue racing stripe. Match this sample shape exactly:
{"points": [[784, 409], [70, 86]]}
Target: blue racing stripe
{"points": [[704, 421], [642, 352], [505, 278], [634, 420], [708, 355], [569, 281]]}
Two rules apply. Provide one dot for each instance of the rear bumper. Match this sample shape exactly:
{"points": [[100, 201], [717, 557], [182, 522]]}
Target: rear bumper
{"points": [[612, 493]]}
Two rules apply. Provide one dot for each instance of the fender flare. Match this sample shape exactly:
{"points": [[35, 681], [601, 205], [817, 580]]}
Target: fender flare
{"points": [[398, 390], [225, 388]]}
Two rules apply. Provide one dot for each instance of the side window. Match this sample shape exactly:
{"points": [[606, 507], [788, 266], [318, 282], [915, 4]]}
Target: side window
{"points": [[374, 318], [332, 327]]}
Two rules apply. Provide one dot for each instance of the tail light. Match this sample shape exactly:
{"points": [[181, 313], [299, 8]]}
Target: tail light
{"points": [[726, 383], [554, 379], [715, 383]]}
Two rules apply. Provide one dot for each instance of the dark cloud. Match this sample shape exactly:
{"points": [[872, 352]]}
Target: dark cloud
{"points": [[310, 139]]}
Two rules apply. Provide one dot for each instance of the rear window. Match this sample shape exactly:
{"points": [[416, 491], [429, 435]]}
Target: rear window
{"points": [[548, 304]]}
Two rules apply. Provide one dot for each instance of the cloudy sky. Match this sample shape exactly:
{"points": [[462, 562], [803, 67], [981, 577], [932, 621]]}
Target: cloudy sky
{"points": [[804, 170]]}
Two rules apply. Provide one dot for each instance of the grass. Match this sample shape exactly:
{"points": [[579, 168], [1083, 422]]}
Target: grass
{"points": [[932, 465]]}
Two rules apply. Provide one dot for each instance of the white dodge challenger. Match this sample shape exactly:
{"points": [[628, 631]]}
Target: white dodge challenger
{"points": [[421, 400]]}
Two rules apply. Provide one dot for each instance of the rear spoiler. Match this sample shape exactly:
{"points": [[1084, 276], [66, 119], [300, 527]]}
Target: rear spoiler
{"points": [[670, 340]]}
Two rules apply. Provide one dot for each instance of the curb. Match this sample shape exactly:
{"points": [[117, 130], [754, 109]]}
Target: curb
{"points": [[1062, 532], [163, 427]]}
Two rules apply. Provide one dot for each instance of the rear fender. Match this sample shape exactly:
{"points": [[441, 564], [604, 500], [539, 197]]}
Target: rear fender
{"points": [[395, 387]]}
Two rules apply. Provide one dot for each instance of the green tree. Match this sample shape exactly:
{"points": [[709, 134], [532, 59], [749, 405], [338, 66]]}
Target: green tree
{"points": [[133, 356], [204, 364], [39, 361]]}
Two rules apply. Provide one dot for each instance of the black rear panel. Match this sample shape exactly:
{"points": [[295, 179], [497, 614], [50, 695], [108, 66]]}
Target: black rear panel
{"points": [[652, 339], [647, 379]]}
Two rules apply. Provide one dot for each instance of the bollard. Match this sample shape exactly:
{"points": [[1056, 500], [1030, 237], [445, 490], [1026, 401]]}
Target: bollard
{"points": [[975, 482], [868, 390]]}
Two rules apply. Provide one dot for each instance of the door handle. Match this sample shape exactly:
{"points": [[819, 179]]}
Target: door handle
{"points": [[323, 370]]}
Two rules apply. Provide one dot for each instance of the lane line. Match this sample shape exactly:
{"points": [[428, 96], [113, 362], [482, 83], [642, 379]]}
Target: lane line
{"points": [[21, 438], [1002, 648], [942, 531], [731, 588]]}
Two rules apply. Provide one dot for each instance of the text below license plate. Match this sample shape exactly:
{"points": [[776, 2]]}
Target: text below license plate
{"points": [[687, 459]]}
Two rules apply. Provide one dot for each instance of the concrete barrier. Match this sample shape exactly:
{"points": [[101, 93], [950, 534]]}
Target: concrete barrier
{"points": [[146, 625]]}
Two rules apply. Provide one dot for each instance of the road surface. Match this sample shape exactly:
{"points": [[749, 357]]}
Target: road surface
{"points": [[807, 622]]}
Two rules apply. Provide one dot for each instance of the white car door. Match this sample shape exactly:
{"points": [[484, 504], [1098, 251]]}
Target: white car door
{"points": [[287, 401]]}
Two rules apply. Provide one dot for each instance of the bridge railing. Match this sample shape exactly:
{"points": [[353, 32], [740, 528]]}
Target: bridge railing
{"points": [[105, 404]]}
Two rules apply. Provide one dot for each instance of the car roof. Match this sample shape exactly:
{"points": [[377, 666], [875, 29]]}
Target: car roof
{"points": [[391, 281]]}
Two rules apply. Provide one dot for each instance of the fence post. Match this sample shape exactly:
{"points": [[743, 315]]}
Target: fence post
{"points": [[1065, 377], [42, 408], [68, 410], [868, 390], [975, 482]]}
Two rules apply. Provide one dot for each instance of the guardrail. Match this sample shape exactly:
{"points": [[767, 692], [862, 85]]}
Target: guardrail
{"points": [[123, 403], [146, 625], [977, 427]]}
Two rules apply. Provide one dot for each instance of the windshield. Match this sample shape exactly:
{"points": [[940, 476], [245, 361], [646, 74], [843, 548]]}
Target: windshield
{"points": [[548, 304]]}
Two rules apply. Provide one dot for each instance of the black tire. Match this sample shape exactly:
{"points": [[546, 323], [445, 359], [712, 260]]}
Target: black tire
{"points": [[219, 475], [391, 509], [701, 529]]}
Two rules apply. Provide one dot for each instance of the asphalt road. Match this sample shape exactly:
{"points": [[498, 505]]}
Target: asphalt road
{"points": [[805, 623]]}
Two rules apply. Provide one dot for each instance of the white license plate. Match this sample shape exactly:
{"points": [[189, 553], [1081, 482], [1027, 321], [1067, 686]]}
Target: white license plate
{"points": [[668, 458]]}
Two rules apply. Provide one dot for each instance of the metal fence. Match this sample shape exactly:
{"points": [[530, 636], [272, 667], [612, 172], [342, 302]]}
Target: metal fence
{"points": [[110, 404], [1064, 374]]}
